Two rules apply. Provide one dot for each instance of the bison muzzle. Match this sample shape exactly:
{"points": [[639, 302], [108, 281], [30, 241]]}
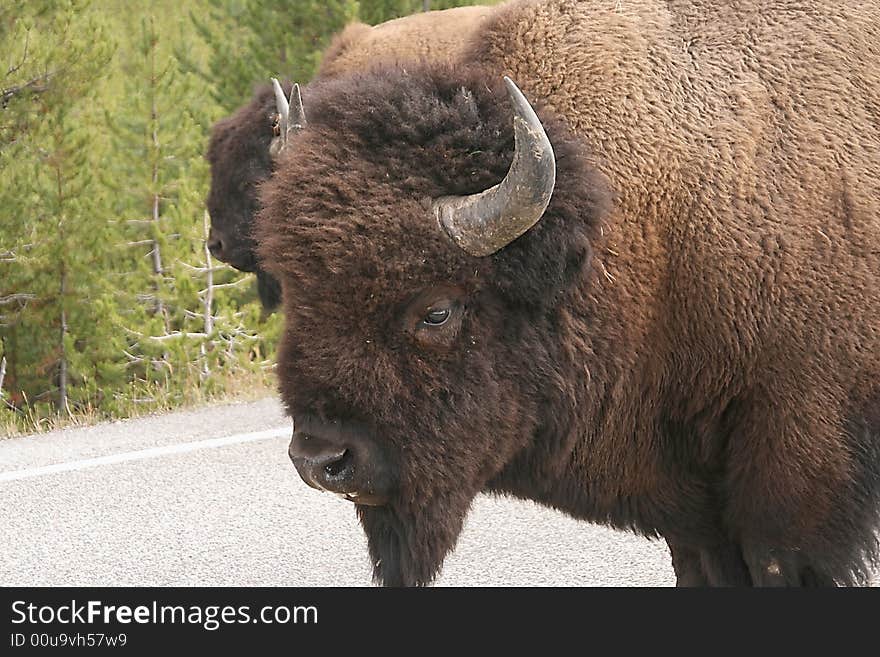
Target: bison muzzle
{"points": [[343, 458]]}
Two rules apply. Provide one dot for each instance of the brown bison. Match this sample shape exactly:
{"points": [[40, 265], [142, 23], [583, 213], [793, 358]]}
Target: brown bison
{"points": [[239, 150], [684, 342]]}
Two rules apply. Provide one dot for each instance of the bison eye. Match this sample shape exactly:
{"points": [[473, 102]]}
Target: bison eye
{"points": [[437, 317], [433, 318]]}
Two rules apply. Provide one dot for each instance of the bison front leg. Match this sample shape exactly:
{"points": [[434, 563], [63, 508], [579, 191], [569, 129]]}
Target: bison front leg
{"points": [[771, 567], [686, 564], [728, 564], [718, 565]]}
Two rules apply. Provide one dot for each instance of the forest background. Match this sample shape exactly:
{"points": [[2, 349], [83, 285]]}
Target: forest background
{"points": [[110, 304]]}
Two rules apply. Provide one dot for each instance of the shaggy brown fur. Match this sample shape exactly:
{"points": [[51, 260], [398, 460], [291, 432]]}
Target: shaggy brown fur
{"points": [[433, 35], [686, 345], [239, 149]]}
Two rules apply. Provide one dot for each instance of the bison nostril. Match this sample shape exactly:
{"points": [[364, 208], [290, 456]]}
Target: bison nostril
{"points": [[340, 465], [215, 246], [346, 462]]}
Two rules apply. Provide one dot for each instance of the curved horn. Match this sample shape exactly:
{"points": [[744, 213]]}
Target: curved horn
{"points": [[297, 116], [281, 106], [486, 222], [287, 124]]}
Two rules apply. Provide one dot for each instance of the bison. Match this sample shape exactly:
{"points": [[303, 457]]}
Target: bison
{"points": [[651, 302], [239, 149]]}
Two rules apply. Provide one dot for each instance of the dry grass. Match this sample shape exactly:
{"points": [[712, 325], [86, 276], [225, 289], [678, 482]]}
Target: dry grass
{"points": [[145, 400]]}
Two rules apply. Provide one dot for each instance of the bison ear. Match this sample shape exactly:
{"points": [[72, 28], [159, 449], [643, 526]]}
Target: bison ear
{"points": [[537, 270], [291, 117]]}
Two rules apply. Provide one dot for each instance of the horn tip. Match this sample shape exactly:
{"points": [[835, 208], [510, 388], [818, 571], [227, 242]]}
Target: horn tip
{"points": [[515, 92]]}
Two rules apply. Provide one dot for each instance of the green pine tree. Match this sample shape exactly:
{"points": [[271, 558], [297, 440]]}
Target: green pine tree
{"points": [[54, 233], [253, 40], [179, 325], [109, 301]]}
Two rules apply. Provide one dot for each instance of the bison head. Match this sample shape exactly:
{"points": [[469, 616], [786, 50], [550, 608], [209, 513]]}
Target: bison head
{"points": [[239, 155], [420, 361]]}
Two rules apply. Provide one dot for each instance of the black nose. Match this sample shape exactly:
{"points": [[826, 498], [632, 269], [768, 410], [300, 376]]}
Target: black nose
{"points": [[215, 244], [322, 464], [232, 249], [343, 458]]}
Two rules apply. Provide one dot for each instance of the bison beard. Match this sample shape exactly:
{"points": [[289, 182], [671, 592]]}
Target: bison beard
{"points": [[269, 290], [408, 543]]}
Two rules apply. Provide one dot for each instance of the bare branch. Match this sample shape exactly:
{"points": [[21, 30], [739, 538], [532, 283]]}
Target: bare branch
{"points": [[220, 286], [37, 85], [189, 314], [16, 298], [132, 358], [176, 335], [13, 68], [203, 270]]}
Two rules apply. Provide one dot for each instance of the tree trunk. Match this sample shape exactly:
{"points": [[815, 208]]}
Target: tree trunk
{"points": [[61, 403], [62, 365], [2, 374], [208, 299], [209, 288], [156, 253]]}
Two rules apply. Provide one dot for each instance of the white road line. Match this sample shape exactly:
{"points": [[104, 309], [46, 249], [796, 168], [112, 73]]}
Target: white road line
{"points": [[139, 455]]}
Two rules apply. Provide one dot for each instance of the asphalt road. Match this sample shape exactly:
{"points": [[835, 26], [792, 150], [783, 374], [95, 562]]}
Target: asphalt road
{"points": [[209, 498]]}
